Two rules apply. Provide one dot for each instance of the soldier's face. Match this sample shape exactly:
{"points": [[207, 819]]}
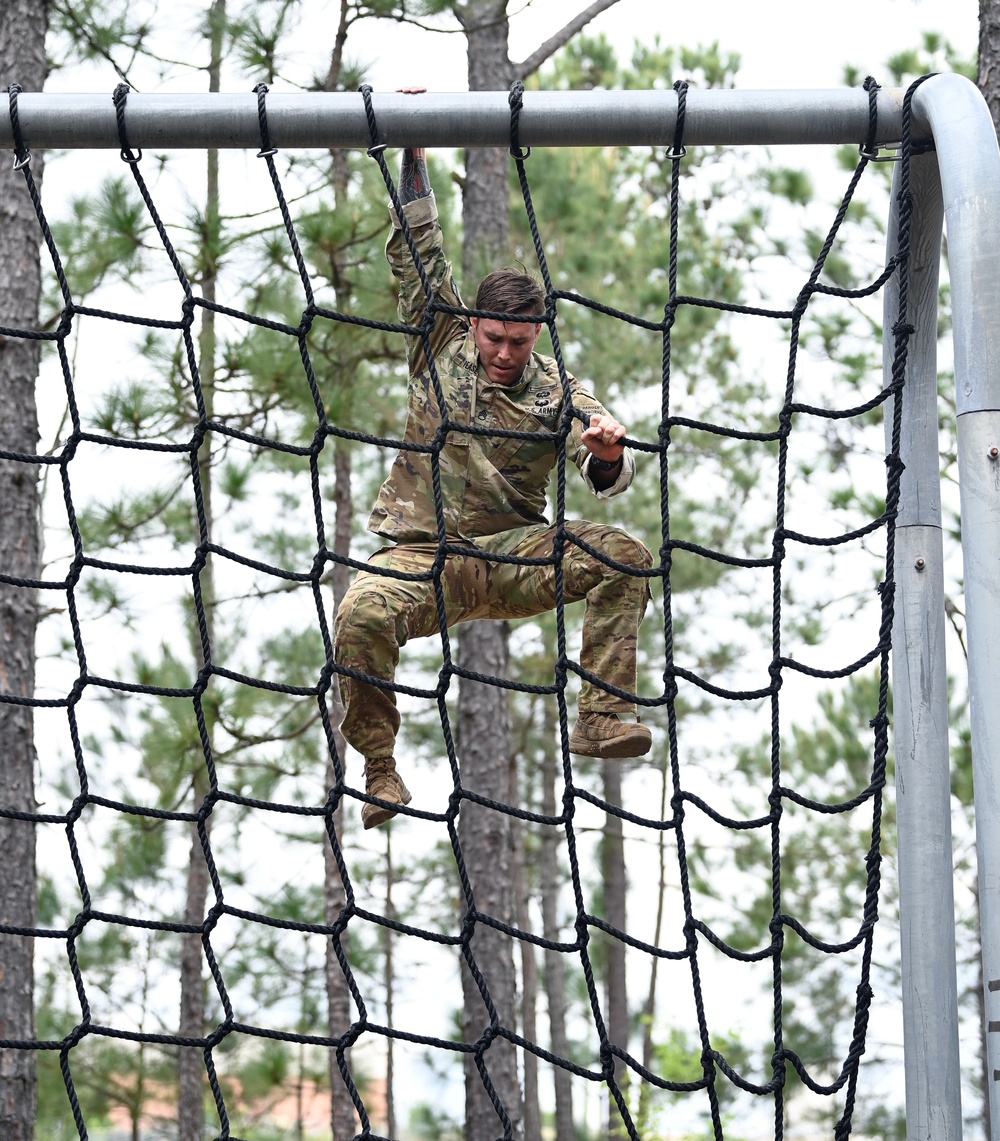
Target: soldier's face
{"points": [[504, 348]]}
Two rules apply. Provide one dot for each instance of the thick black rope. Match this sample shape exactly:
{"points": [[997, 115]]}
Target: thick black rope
{"points": [[715, 1066]]}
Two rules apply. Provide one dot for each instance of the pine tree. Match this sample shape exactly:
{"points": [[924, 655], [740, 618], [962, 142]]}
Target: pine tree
{"points": [[22, 60], [260, 368]]}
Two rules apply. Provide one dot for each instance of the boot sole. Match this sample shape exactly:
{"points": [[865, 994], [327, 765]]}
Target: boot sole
{"points": [[620, 749], [372, 815]]}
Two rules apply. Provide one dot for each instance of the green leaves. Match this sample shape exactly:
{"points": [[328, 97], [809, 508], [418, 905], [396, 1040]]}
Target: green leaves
{"points": [[709, 67], [104, 238], [101, 30], [135, 410], [585, 63], [787, 182]]}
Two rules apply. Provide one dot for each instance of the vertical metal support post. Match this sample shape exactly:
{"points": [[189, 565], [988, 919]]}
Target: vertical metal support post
{"points": [[920, 692], [970, 177]]}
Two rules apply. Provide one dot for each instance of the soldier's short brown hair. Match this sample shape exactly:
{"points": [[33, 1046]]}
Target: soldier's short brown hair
{"points": [[510, 290]]}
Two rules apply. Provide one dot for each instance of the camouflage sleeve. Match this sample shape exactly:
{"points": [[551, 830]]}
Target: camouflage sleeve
{"points": [[422, 217], [581, 455]]}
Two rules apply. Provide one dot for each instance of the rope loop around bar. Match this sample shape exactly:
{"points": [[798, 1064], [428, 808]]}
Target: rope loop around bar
{"points": [[22, 156], [120, 97], [377, 146], [678, 150], [515, 99], [869, 148], [266, 150]]}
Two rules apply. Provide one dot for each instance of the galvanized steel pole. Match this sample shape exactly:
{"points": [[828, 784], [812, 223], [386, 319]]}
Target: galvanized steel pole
{"points": [[467, 119], [920, 691], [969, 159]]}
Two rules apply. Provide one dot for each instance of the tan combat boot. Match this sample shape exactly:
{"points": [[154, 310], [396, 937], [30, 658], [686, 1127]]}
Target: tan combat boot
{"points": [[382, 781], [605, 735]]}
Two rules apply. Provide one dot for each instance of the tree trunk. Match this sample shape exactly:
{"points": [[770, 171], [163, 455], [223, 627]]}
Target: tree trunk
{"points": [[487, 169], [649, 1009], [529, 976], [139, 1105], [989, 56], [484, 723], [388, 942], [342, 1115], [485, 835], [555, 974], [190, 1063], [482, 710], [23, 24], [483, 718], [613, 872]]}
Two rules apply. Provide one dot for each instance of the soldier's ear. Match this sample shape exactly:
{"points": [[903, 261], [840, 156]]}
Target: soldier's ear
{"points": [[538, 330]]}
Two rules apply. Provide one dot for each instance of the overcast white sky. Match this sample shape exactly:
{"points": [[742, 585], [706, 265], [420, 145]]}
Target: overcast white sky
{"points": [[783, 43]]}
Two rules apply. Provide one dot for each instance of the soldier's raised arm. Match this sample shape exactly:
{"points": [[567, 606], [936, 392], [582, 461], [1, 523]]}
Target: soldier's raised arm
{"points": [[414, 181], [420, 210]]}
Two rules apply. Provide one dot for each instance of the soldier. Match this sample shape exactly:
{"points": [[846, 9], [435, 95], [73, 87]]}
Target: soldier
{"points": [[493, 491]]}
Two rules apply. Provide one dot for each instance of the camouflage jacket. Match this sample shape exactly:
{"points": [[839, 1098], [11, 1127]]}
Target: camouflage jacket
{"points": [[488, 483]]}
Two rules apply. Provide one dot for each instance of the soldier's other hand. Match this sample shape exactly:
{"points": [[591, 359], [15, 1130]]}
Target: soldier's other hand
{"points": [[603, 437]]}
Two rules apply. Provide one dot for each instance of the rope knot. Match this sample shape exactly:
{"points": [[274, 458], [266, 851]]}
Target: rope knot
{"points": [[120, 98], [515, 99], [266, 150], [868, 149], [678, 150], [377, 146], [22, 156]]}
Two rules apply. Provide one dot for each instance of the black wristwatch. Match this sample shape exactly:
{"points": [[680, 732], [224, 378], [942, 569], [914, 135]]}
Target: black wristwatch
{"points": [[605, 465]]}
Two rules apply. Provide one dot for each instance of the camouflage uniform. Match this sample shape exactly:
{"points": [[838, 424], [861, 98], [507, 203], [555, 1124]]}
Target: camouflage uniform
{"points": [[493, 492]]}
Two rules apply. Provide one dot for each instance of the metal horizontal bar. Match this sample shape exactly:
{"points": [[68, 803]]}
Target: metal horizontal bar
{"points": [[466, 119]]}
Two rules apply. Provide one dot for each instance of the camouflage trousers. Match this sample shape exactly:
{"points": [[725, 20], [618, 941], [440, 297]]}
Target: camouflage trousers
{"points": [[380, 614]]}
